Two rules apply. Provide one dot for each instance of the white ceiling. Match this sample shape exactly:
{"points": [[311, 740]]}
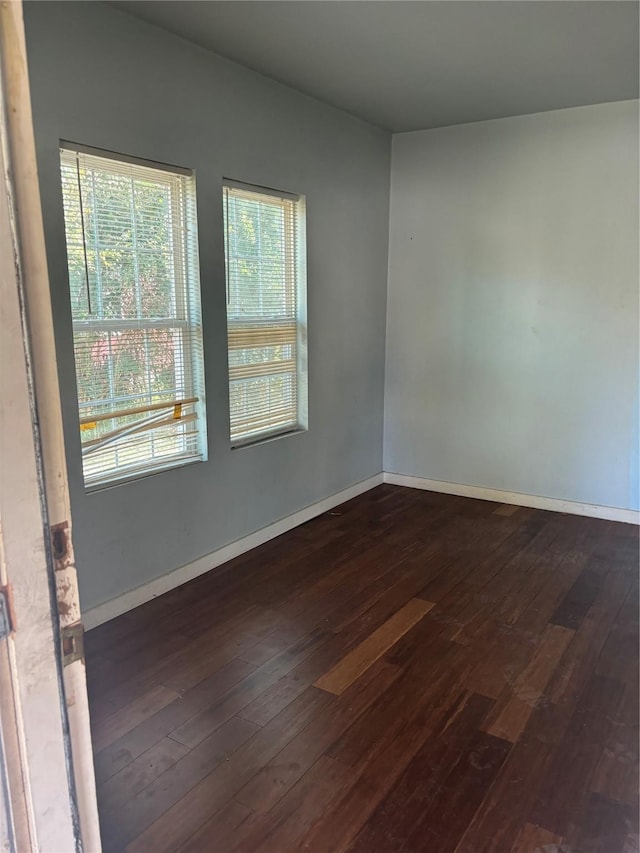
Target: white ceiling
{"points": [[411, 65]]}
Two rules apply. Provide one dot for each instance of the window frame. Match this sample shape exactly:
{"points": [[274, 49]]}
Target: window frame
{"points": [[296, 231], [186, 318]]}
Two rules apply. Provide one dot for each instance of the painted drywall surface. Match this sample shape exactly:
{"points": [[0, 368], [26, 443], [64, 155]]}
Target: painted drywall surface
{"points": [[512, 326], [103, 78]]}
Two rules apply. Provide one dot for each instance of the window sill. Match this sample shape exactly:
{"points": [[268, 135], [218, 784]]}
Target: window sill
{"points": [[264, 439]]}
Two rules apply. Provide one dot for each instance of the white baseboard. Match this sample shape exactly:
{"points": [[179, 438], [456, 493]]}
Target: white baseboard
{"points": [[117, 606], [612, 513]]}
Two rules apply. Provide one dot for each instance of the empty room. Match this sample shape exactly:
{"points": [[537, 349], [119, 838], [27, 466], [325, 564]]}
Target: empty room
{"points": [[338, 329]]}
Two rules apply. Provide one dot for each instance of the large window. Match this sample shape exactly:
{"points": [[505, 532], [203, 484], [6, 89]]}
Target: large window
{"points": [[266, 312], [135, 302]]}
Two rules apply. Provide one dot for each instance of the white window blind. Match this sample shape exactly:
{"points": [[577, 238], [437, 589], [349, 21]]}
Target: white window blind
{"points": [[131, 233], [266, 312]]}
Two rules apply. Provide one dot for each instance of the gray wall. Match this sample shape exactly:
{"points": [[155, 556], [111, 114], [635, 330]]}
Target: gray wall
{"points": [[512, 328], [102, 78]]}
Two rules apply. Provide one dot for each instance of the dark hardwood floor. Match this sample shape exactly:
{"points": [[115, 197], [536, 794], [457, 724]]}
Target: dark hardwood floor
{"points": [[409, 672]]}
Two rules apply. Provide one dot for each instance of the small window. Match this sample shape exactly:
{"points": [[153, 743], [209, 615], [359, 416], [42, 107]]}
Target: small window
{"points": [[132, 252], [266, 312]]}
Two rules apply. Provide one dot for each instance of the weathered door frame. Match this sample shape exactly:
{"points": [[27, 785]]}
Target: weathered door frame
{"points": [[44, 715]]}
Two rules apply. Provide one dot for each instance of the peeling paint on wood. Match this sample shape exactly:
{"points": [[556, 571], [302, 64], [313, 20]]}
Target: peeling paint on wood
{"points": [[65, 574], [67, 596]]}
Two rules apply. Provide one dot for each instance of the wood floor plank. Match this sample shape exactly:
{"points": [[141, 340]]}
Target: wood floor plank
{"points": [[276, 642], [497, 662], [275, 698], [617, 774], [101, 709], [462, 792], [380, 745], [304, 674], [473, 602], [299, 809], [370, 782], [420, 694], [273, 781], [125, 719], [220, 832], [345, 585], [534, 838], [618, 656], [140, 738], [510, 716], [132, 818], [393, 822], [178, 823], [581, 658], [484, 545], [507, 806], [538, 585], [575, 605], [201, 667], [351, 667], [577, 756], [604, 826], [208, 653], [120, 788], [202, 724], [506, 510]]}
